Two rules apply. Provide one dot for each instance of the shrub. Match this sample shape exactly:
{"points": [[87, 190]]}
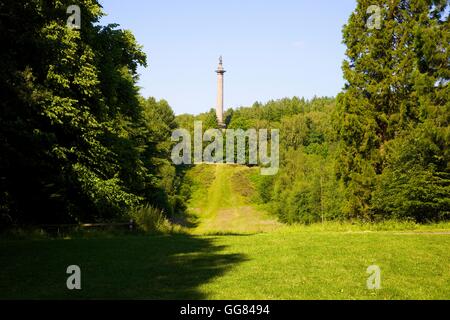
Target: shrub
{"points": [[416, 181], [151, 219]]}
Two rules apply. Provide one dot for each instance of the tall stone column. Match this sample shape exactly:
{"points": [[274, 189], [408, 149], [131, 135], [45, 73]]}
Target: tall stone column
{"points": [[219, 107]]}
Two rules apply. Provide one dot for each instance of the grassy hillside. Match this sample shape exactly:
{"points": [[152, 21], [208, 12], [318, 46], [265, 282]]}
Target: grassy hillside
{"points": [[222, 201]]}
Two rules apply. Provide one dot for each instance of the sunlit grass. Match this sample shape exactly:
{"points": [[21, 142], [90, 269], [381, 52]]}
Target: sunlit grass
{"points": [[288, 264], [283, 264], [236, 252]]}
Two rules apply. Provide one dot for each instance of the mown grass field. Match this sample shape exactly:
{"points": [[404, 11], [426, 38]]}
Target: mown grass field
{"points": [[254, 258], [284, 264]]}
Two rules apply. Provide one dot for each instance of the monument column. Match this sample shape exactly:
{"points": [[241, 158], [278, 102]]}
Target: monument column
{"points": [[219, 107]]}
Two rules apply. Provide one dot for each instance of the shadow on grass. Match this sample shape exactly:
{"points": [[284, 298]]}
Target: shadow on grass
{"points": [[139, 267], [230, 234]]}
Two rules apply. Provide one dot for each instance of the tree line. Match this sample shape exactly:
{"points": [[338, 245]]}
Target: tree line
{"points": [[77, 141], [79, 144], [380, 150]]}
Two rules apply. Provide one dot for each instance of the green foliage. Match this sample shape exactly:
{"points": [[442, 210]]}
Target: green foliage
{"points": [[415, 183], [305, 189], [78, 143], [263, 186], [150, 219], [397, 77], [209, 120]]}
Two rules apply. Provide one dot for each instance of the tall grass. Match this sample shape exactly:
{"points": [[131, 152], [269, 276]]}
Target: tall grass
{"points": [[358, 226], [150, 219]]}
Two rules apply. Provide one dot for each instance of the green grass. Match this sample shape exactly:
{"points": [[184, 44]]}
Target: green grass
{"points": [[234, 250], [223, 204], [283, 264]]}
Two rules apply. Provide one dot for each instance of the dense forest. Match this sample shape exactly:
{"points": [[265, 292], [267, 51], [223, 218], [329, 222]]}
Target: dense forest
{"points": [[79, 144], [77, 141]]}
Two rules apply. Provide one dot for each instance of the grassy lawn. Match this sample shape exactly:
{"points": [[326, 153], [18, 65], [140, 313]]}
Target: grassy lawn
{"points": [[283, 264], [323, 261]]}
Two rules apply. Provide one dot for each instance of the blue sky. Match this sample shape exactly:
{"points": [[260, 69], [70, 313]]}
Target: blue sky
{"points": [[271, 49]]}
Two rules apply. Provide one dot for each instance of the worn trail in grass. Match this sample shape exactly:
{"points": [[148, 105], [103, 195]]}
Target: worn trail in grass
{"points": [[224, 205]]}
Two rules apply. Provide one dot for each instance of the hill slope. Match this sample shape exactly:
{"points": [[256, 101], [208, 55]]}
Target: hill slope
{"points": [[222, 201]]}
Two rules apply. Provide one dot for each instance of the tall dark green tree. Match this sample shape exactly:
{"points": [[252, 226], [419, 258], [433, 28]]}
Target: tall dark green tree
{"points": [[396, 75], [75, 140]]}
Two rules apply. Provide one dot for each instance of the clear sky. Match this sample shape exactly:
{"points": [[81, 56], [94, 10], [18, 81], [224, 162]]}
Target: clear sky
{"points": [[271, 49]]}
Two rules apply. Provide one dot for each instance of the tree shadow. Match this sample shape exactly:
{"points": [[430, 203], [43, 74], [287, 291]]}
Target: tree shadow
{"points": [[137, 267]]}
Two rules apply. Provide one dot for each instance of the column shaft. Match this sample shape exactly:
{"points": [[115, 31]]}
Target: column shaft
{"points": [[219, 108]]}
